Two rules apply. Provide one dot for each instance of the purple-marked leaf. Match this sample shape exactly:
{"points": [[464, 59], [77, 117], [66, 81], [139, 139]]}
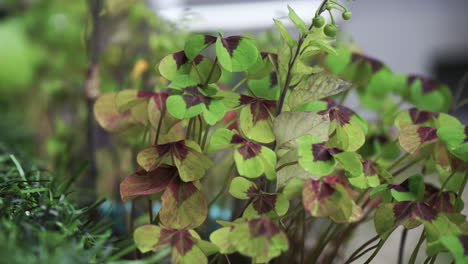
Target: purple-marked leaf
{"points": [[411, 189], [259, 238], [289, 126], [186, 155], [146, 183], [256, 118], [428, 94], [316, 157], [108, 115], [170, 128], [440, 201], [413, 137], [195, 101], [369, 176], [410, 213], [315, 87], [375, 65], [196, 44], [205, 70], [190, 160], [183, 205], [236, 53], [424, 118], [252, 159], [174, 64], [242, 188], [185, 243], [319, 198], [269, 204], [349, 128]]}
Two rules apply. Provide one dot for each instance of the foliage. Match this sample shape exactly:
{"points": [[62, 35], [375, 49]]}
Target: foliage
{"points": [[299, 153]]}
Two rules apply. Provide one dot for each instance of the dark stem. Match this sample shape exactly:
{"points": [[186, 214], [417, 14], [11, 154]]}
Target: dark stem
{"points": [[414, 255], [362, 253], [401, 250], [158, 131], [376, 251], [362, 247], [150, 211]]}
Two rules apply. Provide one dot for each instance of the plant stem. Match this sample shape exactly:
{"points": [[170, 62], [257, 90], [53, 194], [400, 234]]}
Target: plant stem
{"points": [[286, 164], [158, 131], [407, 166], [322, 242], [239, 84], [357, 251], [225, 184], [292, 61], [150, 211], [445, 183], [398, 161], [376, 251], [205, 136], [402, 245], [416, 249], [200, 129], [462, 187], [362, 254]]}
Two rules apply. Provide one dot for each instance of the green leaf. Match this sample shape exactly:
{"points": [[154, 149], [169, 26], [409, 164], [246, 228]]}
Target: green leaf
{"points": [[204, 68], [146, 237], [256, 120], [350, 161], [456, 247], [315, 87], [293, 188], [240, 187], [197, 43], [285, 34], [236, 53], [300, 24], [320, 199], [221, 239], [173, 65], [384, 220], [260, 239], [337, 63]]}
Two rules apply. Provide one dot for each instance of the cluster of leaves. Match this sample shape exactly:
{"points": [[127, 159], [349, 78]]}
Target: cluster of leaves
{"points": [[295, 146]]}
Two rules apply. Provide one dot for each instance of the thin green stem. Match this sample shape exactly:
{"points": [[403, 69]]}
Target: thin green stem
{"points": [[211, 73], [397, 162], [445, 183], [200, 129], [358, 256], [433, 259], [239, 84], [225, 185], [362, 247], [462, 187], [407, 166], [189, 128], [286, 165], [376, 251], [205, 136], [150, 211], [414, 255], [158, 130]]}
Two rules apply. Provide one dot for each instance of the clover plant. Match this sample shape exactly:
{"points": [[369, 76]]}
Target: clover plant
{"points": [[297, 153]]}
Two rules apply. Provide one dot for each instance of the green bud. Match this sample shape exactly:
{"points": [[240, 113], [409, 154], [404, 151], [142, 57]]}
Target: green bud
{"points": [[347, 15], [318, 21], [330, 30]]}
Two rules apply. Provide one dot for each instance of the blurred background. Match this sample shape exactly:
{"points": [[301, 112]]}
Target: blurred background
{"points": [[56, 56]]}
